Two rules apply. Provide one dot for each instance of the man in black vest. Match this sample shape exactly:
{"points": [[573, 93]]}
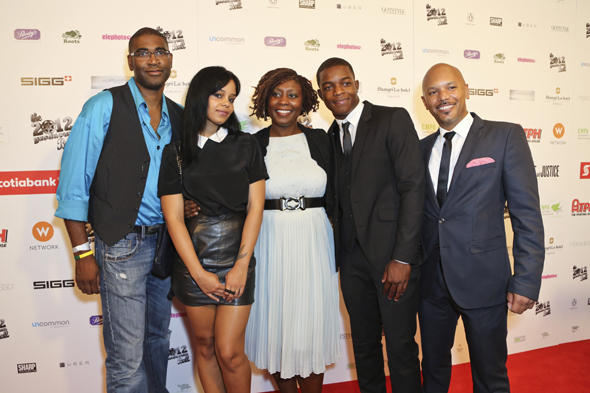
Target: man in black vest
{"points": [[379, 184], [109, 176]]}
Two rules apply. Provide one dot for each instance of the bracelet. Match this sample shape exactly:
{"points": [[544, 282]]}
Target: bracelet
{"points": [[81, 247], [86, 254]]}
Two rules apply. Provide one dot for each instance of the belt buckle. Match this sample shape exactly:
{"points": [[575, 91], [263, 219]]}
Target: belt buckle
{"points": [[292, 203]]}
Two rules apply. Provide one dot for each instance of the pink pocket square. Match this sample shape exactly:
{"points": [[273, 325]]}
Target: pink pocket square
{"points": [[480, 161]]}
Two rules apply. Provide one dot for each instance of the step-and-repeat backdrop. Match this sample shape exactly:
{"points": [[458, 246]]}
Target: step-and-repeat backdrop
{"points": [[526, 62]]}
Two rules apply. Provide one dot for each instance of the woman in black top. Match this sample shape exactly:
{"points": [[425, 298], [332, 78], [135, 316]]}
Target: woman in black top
{"points": [[221, 169]]}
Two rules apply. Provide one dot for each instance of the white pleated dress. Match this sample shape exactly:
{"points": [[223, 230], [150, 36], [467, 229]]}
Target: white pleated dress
{"points": [[294, 321]]}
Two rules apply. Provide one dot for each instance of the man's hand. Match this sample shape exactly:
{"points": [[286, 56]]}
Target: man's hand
{"points": [[191, 209], [518, 303], [87, 277], [395, 279]]}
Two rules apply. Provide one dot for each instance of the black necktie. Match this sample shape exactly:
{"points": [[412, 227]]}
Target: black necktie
{"points": [[443, 173], [346, 139]]}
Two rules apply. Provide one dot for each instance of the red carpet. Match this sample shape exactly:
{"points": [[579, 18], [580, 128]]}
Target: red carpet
{"points": [[563, 368]]}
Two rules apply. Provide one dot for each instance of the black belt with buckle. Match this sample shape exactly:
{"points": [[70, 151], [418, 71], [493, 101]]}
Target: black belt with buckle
{"points": [[147, 229], [301, 203]]}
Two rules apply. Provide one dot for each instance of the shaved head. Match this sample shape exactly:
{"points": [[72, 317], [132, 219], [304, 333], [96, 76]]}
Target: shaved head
{"points": [[441, 67]]}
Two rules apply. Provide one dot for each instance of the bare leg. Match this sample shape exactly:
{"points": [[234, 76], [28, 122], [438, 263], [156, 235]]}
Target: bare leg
{"points": [[311, 384], [202, 321], [230, 328], [285, 385]]}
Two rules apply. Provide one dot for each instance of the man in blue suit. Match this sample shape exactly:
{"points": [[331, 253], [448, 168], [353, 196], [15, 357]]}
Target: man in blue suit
{"points": [[474, 168]]}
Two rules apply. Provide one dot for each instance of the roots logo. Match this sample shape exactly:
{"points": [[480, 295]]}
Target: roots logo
{"points": [[558, 130], [543, 308], [437, 14], [392, 48], [3, 237], [580, 272], [45, 130], [584, 170], [313, 45], [180, 354], [175, 38], [499, 58], [43, 231], [557, 62], [71, 37]]}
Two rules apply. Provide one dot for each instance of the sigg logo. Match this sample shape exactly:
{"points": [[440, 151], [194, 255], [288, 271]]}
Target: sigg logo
{"points": [[558, 130], [96, 320], [584, 170], [275, 41], [471, 54], [27, 34], [45, 80], [53, 284], [22, 368], [43, 231]]}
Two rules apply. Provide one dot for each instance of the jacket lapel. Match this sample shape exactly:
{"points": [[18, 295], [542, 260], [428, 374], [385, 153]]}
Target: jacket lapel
{"points": [[361, 135], [466, 151]]}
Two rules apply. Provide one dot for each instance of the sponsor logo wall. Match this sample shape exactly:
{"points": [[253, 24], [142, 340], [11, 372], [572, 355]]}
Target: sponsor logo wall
{"points": [[524, 67]]}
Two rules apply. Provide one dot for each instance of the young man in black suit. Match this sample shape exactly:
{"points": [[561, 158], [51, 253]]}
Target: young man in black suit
{"points": [[474, 167], [379, 185]]}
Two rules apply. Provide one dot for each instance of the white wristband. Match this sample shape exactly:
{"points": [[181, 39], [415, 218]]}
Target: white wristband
{"points": [[81, 247]]}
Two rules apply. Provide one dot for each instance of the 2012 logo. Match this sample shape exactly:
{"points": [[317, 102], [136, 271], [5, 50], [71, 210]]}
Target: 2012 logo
{"points": [[175, 38], [44, 130], [392, 48], [437, 14], [557, 62]]}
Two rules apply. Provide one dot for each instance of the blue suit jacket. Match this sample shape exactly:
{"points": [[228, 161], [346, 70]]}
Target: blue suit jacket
{"points": [[469, 229]]}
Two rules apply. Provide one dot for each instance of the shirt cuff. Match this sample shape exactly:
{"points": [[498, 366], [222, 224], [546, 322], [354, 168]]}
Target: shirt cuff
{"points": [[402, 262], [72, 210]]}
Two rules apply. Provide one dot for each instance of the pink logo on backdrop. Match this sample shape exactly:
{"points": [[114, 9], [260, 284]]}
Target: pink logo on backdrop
{"points": [[27, 34], [471, 54], [275, 41]]}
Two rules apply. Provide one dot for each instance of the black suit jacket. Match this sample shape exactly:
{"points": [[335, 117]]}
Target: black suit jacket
{"points": [[387, 186], [470, 226]]}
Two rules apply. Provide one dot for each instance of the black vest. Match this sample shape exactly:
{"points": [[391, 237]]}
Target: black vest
{"points": [[122, 169]]}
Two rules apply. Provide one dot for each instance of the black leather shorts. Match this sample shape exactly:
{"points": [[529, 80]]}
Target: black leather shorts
{"points": [[217, 242]]}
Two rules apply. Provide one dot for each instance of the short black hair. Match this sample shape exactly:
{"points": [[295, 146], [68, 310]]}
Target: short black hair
{"points": [[145, 31], [331, 62]]}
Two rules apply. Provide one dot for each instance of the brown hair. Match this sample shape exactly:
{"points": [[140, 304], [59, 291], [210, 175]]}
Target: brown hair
{"points": [[272, 79]]}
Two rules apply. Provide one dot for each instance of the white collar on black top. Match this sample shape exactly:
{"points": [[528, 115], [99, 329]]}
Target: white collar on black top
{"points": [[217, 137]]}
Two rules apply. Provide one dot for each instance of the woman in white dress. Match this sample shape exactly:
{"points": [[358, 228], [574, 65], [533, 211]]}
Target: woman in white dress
{"points": [[293, 327]]}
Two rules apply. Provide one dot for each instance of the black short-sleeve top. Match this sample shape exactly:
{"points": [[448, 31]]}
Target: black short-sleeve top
{"points": [[219, 175]]}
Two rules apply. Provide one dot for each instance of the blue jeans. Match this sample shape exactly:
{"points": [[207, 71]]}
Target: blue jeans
{"points": [[136, 314]]}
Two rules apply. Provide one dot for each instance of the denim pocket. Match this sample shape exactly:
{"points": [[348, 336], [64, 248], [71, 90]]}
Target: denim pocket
{"points": [[123, 249]]}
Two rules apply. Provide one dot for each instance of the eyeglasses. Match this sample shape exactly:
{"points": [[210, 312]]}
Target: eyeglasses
{"points": [[145, 54]]}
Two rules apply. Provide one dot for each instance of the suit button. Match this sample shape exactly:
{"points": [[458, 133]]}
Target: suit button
{"points": [[441, 220]]}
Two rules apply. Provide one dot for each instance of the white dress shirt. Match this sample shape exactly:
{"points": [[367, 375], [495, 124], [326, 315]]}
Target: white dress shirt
{"points": [[353, 118], [217, 137], [461, 131]]}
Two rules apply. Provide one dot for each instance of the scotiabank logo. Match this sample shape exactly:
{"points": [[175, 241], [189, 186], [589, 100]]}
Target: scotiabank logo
{"points": [[43, 231], [28, 182], [584, 170]]}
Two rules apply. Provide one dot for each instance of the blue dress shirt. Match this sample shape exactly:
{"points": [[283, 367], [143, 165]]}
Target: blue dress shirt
{"points": [[82, 152]]}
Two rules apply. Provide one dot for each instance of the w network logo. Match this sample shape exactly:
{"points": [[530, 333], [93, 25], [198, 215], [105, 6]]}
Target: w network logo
{"points": [[43, 231]]}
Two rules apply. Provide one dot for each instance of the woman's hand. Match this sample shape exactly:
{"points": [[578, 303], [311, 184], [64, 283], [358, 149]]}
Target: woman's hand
{"points": [[235, 280], [210, 285]]}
